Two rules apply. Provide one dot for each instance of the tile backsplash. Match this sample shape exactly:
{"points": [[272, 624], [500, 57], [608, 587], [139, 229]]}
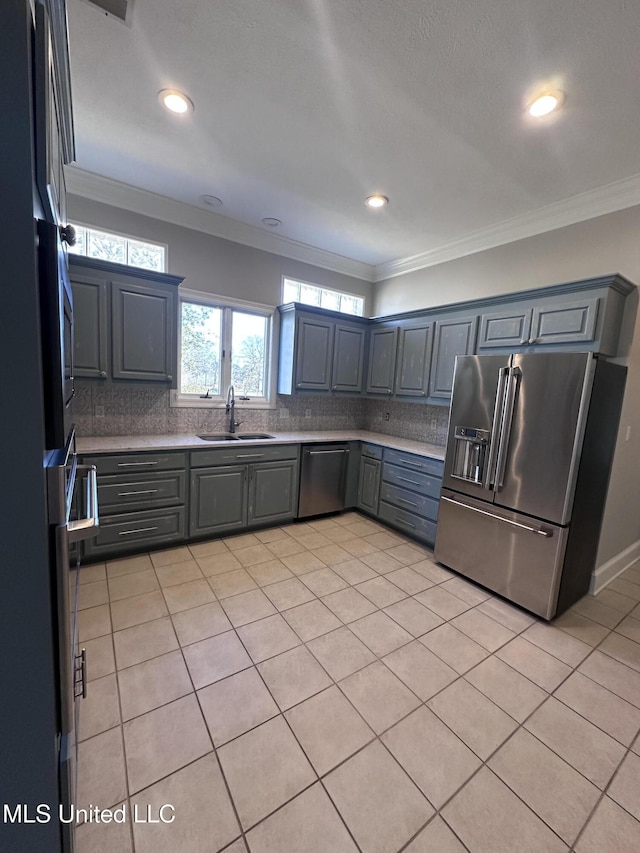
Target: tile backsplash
{"points": [[112, 408]]}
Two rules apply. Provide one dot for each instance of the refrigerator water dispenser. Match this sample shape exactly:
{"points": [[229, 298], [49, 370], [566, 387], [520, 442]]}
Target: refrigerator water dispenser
{"points": [[471, 454]]}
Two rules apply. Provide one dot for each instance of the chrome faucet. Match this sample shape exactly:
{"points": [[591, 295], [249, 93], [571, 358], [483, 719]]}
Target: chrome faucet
{"points": [[231, 409]]}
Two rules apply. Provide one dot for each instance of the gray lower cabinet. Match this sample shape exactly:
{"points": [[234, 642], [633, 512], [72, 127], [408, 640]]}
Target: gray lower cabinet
{"points": [[125, 322], [218, 500], [410, 493], [382, 360], [414, 360], [124, 533], [273, 492], [452, 336], [369, 484]]}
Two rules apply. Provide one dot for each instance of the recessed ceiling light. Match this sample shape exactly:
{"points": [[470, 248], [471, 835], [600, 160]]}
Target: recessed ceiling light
{"points": [[211, 200], [376, 201], [175, 101], [270, 222], [545, 103]]}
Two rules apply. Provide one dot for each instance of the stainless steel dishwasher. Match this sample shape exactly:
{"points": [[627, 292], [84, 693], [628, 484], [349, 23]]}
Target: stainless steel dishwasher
{"points": [[322, 478]]}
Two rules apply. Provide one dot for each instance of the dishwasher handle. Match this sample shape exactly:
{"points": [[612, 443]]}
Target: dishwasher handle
{"points": [[320, 452]]}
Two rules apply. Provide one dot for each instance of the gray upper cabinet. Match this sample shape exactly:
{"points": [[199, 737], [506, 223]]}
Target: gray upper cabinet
{"points": [[91, 327], [382, 360], [504, 329], [452, 336], [314, 353], [143, 332], [125, 321], [348, 358], [569, 322], [414, 360]]}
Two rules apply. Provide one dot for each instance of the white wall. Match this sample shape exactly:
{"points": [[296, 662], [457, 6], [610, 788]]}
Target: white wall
{"points": [[212, 264], [600, 246]]}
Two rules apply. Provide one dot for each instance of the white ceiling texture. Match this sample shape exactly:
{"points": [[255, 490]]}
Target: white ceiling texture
{"points": [[305, 107]]}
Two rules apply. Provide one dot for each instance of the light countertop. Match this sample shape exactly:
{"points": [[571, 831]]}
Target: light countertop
{"points": [[127, 443]]}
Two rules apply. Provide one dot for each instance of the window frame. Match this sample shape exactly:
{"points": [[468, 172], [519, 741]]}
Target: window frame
{"points": [[128, 237], [286, 278], [227, 306]]}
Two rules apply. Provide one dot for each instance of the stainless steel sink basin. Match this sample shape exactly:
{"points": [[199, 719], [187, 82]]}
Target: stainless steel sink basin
{"points": [[221, 436], [252, 436]]}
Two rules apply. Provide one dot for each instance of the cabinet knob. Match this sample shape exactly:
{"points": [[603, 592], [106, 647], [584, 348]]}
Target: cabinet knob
{"points": [[389, 391], [524, 341], [169, 377], [103, 374], [68, 234]]}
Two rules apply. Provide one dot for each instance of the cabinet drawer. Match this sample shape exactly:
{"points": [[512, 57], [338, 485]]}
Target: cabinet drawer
{"points": [[410, 501], [242, 454], [372, 450], [412, 462], [413, 524], [132, 463], [141, 490], [135, 530], [413, 480]]}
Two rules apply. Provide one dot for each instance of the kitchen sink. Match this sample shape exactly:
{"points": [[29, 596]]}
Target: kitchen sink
{"points": [[222, 436], [252, 436]]}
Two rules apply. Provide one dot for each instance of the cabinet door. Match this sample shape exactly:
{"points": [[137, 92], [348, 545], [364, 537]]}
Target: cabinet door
{"points": [[504, 329], [218, 500], [369, 485], [144, 323], [414, 361], [451, 338], [314, 353], [382, 360], [273, 492], [568, 322], [90, 327], [348, 358]]}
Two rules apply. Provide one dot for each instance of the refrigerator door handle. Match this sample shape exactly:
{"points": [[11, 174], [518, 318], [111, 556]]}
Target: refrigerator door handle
{"points": [[87, 527], [495, 429], [540, 531], [505, 426]]}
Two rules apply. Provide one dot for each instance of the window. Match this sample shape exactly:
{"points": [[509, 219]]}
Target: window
{"points": [[119, 249], [312, 294], [223, 344]]}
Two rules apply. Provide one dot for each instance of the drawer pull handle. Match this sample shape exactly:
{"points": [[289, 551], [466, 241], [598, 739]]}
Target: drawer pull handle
{"points": [[134, 464], [249, 455], [405, 501], [137, 530], [402, 521], [407, 480], [409, 462], [141, 492]]}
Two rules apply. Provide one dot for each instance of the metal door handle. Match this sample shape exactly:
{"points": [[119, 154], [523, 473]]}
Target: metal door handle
{"points": [[86, 527], [505, 425], [141, 492], [495, 425], [405, 501], [134, 464], [249, 455], [137, 530], [319, 452], [526, 527], [409, 462], [402, 521], [407, 480]]}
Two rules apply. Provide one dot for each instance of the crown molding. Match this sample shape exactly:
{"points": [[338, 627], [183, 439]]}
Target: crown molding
{"points": [[578, 208], [105, 190]]}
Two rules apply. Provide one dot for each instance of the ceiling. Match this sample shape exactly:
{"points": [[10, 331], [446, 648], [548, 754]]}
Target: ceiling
{"points": [[305, 107]]}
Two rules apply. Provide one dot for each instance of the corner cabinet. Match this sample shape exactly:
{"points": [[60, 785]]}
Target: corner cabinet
{"points": [[414, 360], [369, 480], [382, 360], [125, 322], [320, 351]]}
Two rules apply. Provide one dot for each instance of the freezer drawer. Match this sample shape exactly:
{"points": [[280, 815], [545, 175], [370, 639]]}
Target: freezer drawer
{"points": [[511, 554]]}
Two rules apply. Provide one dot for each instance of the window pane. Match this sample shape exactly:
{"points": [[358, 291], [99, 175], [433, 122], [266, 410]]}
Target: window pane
{"points": [[145, 255], [107, 247], [330, 299], [290, 291], [309, 294], [248, 354], [351, 304], [200, 349], [80, 247]]}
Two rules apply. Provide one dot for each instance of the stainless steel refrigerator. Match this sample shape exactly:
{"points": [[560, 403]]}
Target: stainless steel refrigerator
{"points": [[529, 452]]}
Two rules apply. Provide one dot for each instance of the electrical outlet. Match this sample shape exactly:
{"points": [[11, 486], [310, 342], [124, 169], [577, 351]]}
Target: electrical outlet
{"points": [[434, 423], [307, 413], [627, 434], [284, 413], [387, 416], [98, 411]]}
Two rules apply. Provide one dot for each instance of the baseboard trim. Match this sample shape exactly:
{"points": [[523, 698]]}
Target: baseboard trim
{"points": [[610, 570]]}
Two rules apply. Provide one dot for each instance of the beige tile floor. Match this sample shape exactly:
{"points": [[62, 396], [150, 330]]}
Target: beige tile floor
{"points": [[327, 688]]}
